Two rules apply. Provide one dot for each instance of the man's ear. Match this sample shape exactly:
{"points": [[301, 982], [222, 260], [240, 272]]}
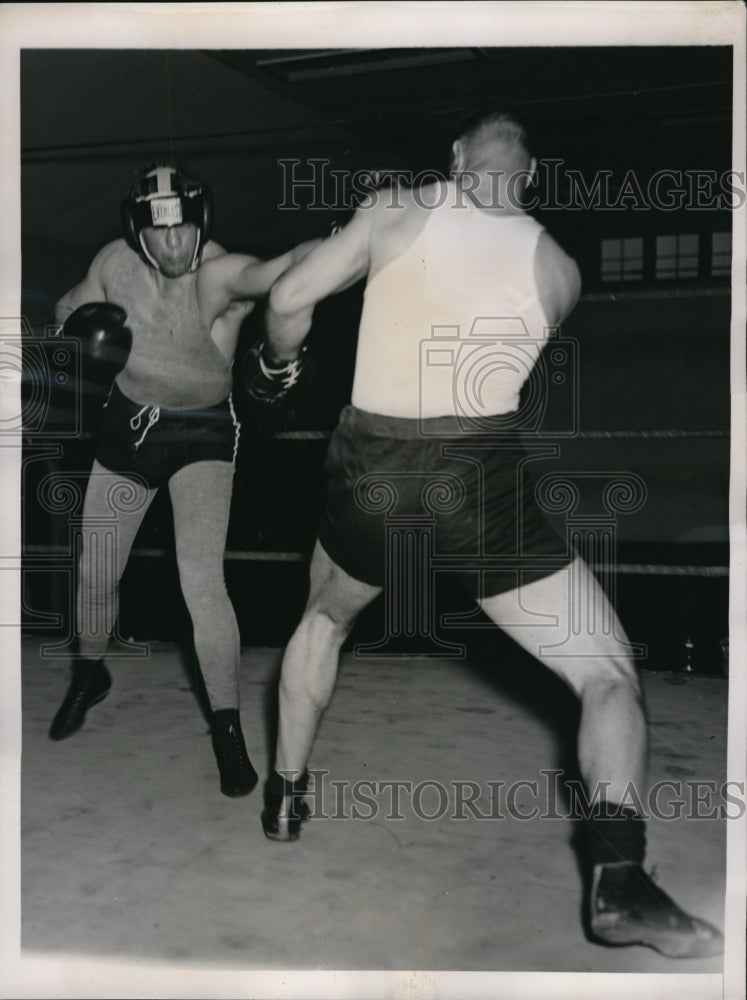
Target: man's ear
{"points": [[532, 173], [456, 164]]}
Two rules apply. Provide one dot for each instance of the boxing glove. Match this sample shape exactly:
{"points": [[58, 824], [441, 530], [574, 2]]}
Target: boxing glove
{"points": [[269, 382], [104, 337]]}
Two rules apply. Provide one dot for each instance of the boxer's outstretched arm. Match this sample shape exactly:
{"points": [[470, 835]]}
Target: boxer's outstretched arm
{"points": [[238, 277], [332, 266]]}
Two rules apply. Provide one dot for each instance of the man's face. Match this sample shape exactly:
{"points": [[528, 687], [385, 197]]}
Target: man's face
{"points": [[172, 247]]}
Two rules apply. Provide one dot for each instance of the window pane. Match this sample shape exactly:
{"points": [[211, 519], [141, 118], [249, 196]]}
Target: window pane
{"points": [[633, 247], [721, 243], [677, 256], [720, 254], [665, 245], [622, 259], [611, 249]]}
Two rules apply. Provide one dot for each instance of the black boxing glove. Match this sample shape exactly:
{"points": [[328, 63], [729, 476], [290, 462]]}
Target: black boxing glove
{"points": [[104, 337], [269, 382]]}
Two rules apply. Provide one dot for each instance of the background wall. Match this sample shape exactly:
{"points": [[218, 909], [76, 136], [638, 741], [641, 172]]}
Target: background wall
{"points": [[653, 350]]}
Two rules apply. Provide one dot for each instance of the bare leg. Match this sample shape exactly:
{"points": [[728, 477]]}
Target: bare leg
{"points": [[612, 737], [624, 906], [311, 658]]}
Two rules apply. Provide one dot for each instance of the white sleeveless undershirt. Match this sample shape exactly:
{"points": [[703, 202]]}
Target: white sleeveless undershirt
{"points": [[454, 325]]}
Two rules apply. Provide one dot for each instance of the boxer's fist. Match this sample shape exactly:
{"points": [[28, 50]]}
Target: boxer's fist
{"points": [[104, 337], [269, 382]]}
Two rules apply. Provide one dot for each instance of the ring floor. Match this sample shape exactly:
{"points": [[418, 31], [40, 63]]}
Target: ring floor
{"points": [[129, 850]]}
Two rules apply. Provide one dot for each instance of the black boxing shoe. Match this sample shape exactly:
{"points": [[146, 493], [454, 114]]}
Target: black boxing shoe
{"points": [[90, 685], [237, 776], [627, 908], [285, 809]]}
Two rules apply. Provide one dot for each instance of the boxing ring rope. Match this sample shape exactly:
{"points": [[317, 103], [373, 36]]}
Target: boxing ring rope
{"points": [[634, 294], [672, 434], [579, 436], [626, 569]]}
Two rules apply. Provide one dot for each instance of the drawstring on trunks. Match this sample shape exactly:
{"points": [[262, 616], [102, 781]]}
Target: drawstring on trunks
{"points": [[236, 429], [154, 412]]}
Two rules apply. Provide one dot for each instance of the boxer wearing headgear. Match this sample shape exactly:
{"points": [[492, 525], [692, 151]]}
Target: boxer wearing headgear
{"points": [[169, 421], [166, 196]]}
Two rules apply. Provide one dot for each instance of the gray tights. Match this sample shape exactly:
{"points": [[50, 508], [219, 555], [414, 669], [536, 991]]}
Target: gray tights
{"points": [[113, 511]]}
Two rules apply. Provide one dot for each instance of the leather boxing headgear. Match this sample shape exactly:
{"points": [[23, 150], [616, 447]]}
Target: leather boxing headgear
{"points": [[163, 195]]}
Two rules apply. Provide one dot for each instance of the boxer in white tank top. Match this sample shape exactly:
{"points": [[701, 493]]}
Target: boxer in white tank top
{"points": [[429, 288], [474, 253]]}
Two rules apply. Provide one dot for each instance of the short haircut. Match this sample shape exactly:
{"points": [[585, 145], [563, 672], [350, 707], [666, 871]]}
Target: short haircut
{"points": [[504, 124]]}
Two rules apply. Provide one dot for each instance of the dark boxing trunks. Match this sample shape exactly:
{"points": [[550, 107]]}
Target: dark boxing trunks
{"points": [[395, 485], [153, 443]]}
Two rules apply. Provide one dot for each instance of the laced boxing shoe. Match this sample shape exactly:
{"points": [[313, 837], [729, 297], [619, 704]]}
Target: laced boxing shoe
{"points": [[89, 685], [285, 809], [237, 776], [627, 908]]}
